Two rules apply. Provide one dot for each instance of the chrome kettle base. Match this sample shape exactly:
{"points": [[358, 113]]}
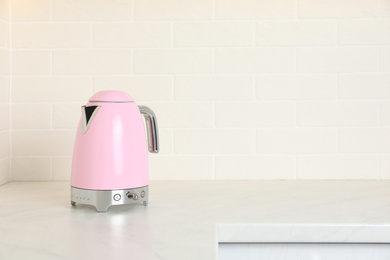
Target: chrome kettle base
{"points": [[102, 199]]}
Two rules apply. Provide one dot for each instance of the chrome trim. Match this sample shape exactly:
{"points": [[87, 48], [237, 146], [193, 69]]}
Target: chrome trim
{"points": [[103, 199], [84, 125], [93, 101], [151, 125]]}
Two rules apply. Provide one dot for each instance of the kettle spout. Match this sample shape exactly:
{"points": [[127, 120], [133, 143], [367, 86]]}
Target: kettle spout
{"points": [[87, 114]]}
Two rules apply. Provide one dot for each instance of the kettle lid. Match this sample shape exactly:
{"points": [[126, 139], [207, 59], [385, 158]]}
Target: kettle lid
{"points": [[111, 96]]}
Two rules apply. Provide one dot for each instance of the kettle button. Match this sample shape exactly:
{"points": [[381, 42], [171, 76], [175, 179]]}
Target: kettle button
{"points": [[142, 194], [117, 197]]}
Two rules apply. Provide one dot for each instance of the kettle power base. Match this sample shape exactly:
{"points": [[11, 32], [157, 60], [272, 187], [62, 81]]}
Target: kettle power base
{"points": [[102, 199]]}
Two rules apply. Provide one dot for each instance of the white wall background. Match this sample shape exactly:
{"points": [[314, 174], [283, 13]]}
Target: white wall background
{"points": [[4, 92], [242, 89]]}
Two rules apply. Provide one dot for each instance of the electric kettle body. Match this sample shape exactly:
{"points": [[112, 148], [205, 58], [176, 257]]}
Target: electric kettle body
{"points": [[110, 157]]}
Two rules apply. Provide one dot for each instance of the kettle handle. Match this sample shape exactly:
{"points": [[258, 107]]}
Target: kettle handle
{"points": [[151, 125]]}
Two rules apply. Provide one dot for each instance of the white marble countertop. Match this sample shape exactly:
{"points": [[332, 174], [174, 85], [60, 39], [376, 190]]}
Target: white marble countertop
{"points": [[187, 219]]}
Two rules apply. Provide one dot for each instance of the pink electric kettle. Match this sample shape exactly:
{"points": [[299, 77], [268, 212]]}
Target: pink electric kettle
{"points": [[110, 157]]}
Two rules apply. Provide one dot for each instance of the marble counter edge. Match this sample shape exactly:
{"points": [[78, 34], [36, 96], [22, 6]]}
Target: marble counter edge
{"points": [[303, 233]]}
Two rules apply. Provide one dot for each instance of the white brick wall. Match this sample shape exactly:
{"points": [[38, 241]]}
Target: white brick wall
{"points": [[31, 62], [50, 89], [51, 35], [364, 140], [255, 60], [296, 86], [255, 167], [364, 86], [385, 58], [214, 88], [385, 113], [296, 32], [255, 114], [255, 9], [5, 69], [339, 9], [34, 10], [156, 10], [213, 34], [89, 10], [337, 167], [360, 32], [132, 35], [337, 113], [338, 59], [214, 141], [255, 89], [296, 141], [173, 61], [91, 62], [143, 88], [31, 116]]}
